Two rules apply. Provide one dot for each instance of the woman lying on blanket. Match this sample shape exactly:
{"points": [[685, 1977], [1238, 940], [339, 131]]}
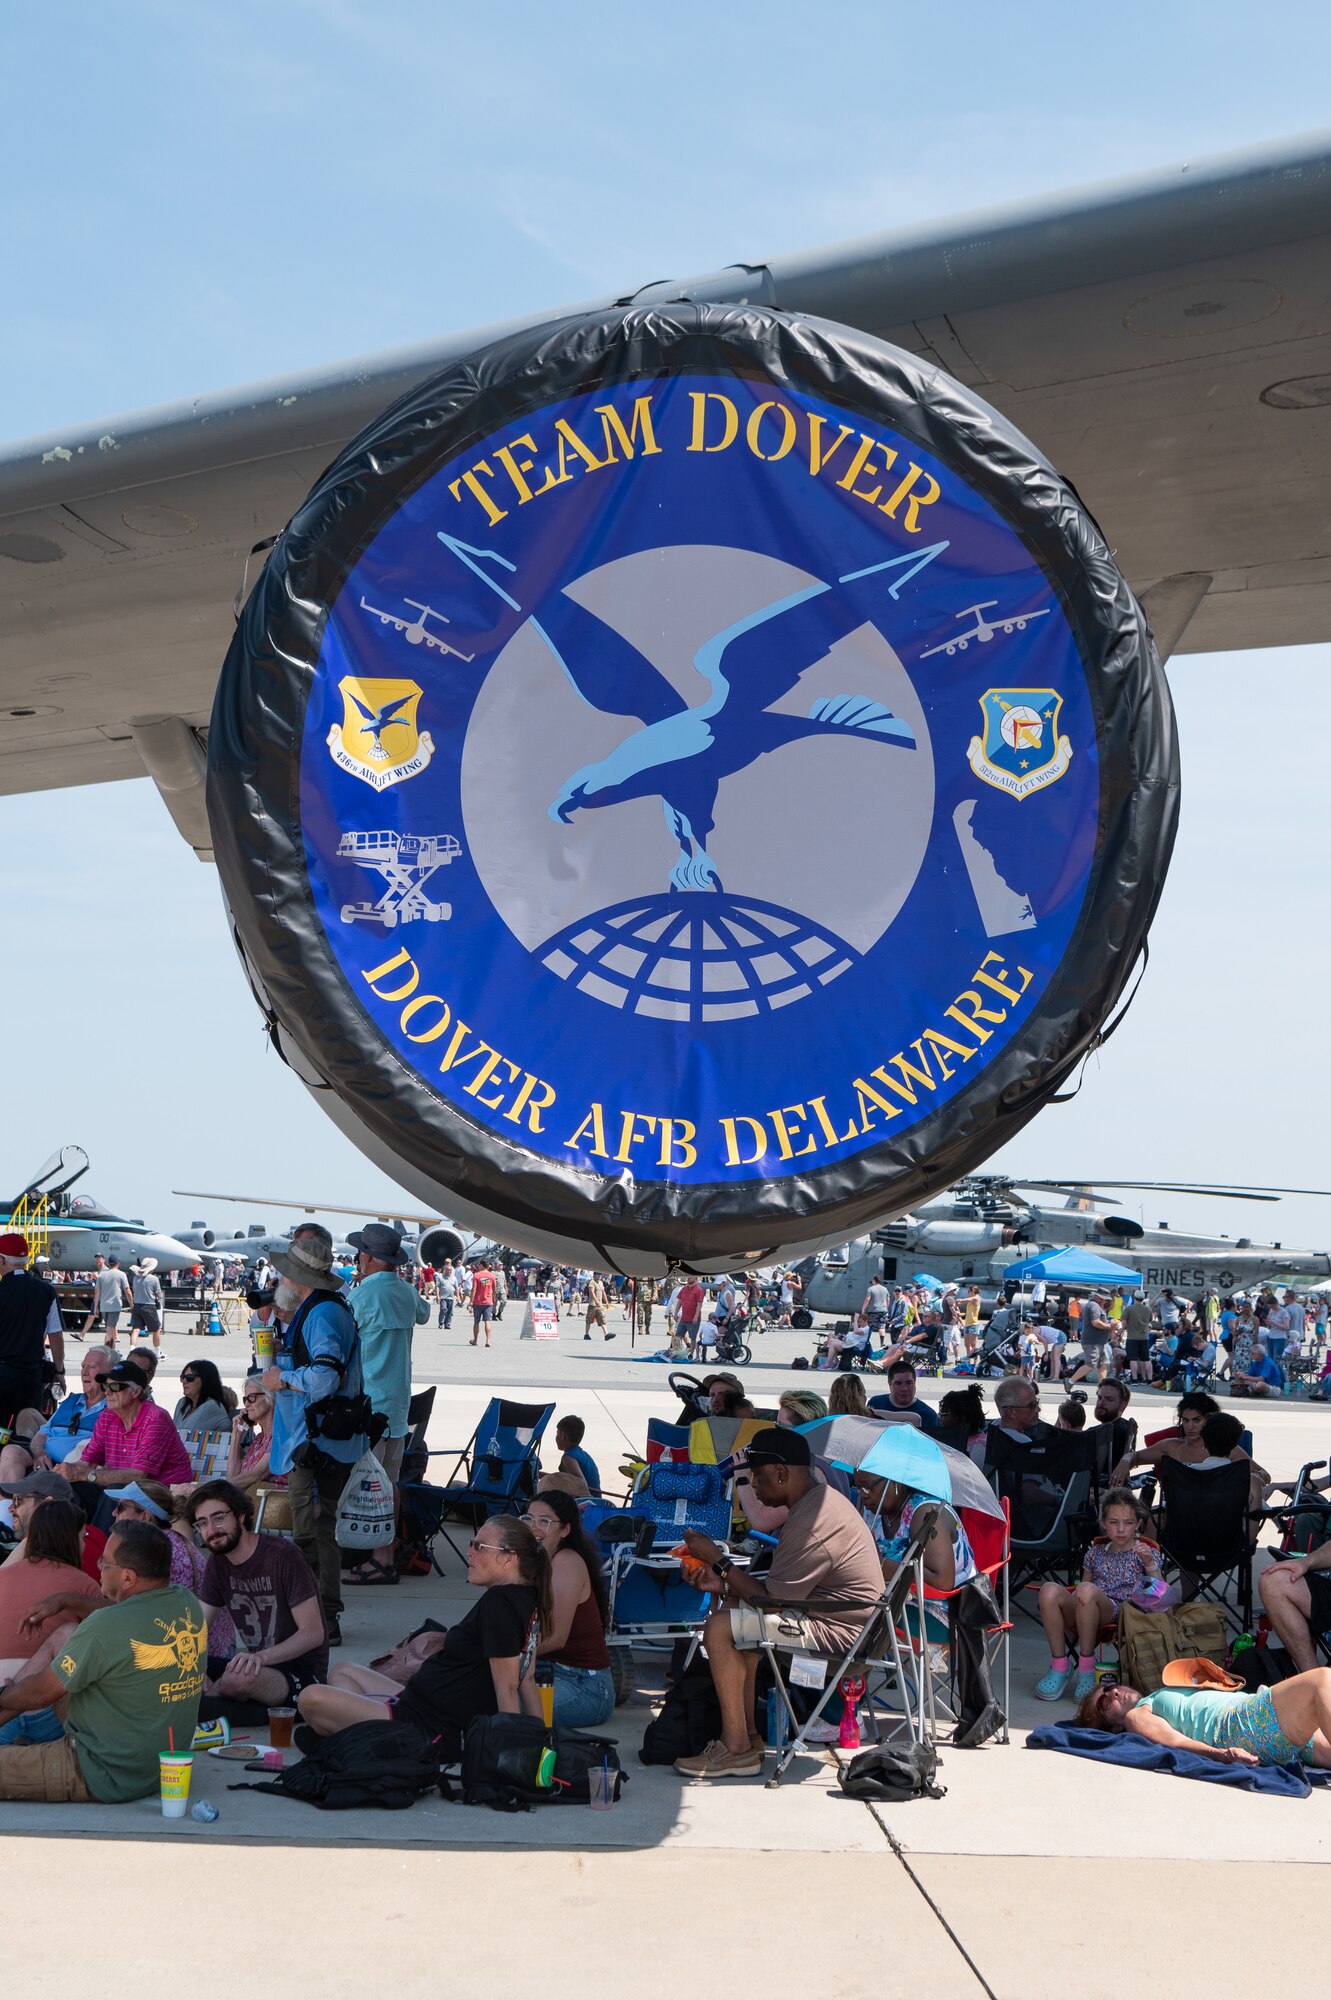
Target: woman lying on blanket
{"points": [[1286, 1724]]}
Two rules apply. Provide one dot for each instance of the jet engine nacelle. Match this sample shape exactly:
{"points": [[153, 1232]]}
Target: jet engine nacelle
{"points": [[948, 1239], [197, 1238], [438, 1243]]}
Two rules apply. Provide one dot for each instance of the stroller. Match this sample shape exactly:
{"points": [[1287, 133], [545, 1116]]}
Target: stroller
{"points": [[1000, 1349]]}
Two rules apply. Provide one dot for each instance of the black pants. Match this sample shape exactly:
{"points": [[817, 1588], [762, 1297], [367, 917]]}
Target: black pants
{"points": [[20, 1389]]}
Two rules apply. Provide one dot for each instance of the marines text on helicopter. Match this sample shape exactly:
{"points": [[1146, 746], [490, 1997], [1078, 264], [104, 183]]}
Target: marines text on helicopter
{"points": [[985, 1223]]}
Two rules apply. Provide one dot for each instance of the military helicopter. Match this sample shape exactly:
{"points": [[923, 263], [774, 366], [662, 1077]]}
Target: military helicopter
{"points": [[68, 1230], [983, 1224]]}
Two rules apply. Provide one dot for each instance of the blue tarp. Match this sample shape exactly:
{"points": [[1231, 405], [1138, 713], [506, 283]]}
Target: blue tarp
{"points": [[1073, 1267], [1286, 1781]]}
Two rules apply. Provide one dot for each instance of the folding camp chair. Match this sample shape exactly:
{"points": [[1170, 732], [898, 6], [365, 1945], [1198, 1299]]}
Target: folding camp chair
{"points": [[1205, 1532], [209, 1453], [415, 1453], [990, 1542], [884, 1652], [1047, 1540], [495, 1472]]}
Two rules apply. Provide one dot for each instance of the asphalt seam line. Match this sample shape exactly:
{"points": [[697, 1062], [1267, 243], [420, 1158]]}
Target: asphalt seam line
{"points": [[900, 1853]]}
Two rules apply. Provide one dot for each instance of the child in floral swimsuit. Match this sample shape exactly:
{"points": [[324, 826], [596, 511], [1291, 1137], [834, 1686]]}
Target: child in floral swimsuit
{"points": [[1120, 1570]]}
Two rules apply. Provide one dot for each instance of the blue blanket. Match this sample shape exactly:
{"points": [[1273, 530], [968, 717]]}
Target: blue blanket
{"points": [[1287, 1781]]}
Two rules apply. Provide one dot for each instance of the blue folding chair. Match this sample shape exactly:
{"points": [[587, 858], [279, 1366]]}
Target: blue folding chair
{"points": [[495, 1472]]}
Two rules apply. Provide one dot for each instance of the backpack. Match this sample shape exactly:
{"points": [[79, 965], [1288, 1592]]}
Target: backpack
{"points": [[1148, 1640], [889, 1773], [389, 1764], [513, 1762], [690, 1716]]}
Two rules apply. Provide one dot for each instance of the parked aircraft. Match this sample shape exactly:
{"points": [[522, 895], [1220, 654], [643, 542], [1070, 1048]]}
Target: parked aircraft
{"points": [[427, 1237], [974, 1231], [69, 1230]]}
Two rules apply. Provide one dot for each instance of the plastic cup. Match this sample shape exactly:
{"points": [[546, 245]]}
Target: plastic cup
{"points": [[175, 1769], [263, 1346], [546, 1690], [281, 1722], [602, 1781]]}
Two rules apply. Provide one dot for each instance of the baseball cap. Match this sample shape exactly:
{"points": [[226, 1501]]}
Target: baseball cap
{"points": [[46, 1485], [778, 1446], [13, 1245], [140, 1499], [126, 1371]]}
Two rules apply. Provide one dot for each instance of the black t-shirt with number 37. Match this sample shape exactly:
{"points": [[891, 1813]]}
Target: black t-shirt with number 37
{"points": [[456, 1683]]}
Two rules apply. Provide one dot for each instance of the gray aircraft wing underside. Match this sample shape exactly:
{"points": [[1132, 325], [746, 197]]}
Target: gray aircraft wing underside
{"points": [[1166, 341]]}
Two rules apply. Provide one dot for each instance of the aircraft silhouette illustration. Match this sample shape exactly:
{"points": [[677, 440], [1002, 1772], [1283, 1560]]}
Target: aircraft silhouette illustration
{"points": [[377, 720], [681, 754]]}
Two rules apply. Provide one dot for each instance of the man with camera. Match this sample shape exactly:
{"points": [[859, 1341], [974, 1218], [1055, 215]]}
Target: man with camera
{"points": [[321, 1414]]}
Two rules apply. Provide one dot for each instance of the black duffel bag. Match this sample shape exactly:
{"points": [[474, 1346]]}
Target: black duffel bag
{"points": [[513, 1762]]}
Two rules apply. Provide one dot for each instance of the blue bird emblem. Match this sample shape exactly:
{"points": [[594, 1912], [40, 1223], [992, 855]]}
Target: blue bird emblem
{"points": [[681, 754]]}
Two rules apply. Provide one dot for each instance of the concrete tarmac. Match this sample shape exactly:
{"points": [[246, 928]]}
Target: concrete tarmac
{"points": [[1036, 1874]]}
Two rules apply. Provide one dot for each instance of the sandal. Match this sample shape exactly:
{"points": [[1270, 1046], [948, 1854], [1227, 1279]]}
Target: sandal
{"points": [[372, 1573]]}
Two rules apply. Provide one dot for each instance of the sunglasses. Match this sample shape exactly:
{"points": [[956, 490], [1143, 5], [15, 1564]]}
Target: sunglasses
{"points": [[189, 1378]]}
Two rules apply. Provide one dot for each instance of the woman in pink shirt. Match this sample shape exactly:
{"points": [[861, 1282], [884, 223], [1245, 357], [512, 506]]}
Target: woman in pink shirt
{"points": [[131, 1437]]}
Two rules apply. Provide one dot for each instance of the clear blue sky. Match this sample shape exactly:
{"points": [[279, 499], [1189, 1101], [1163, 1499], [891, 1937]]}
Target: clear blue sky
{"points": [[202, 195]]}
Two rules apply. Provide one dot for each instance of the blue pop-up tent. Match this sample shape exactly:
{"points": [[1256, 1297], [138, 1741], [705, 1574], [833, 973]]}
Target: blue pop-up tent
{"points": [[1072, 1267]]}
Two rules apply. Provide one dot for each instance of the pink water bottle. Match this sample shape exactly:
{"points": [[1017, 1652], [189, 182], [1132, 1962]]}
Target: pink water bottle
{"points": [[852, 1688]]}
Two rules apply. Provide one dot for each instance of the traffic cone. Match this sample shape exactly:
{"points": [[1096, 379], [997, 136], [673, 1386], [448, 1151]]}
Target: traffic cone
{"points": [[215, 1320]]}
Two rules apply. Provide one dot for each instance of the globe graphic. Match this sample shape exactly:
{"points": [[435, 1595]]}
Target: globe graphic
{"points": [[695, 956]]}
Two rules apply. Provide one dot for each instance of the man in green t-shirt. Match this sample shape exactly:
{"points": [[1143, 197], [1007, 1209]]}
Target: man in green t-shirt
{"points": [[126, 1683]]}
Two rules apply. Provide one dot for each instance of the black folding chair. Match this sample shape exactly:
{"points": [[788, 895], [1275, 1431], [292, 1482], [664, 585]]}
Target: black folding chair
{"points": [[495, 1472], [1205, 1530], [1047, 1485]]}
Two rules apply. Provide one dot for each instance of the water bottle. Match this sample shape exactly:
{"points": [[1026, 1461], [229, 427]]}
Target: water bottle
{"points": [[776, 1722], [852, 1687]]}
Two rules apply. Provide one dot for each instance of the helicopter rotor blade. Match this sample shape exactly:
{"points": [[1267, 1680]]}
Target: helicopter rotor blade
{"points": [[1223, 1192]]}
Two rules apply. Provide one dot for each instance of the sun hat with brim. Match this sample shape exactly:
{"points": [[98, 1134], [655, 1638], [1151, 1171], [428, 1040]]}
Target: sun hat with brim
{"points": [[141, 1499], [377, 1240], [1197, 1672], [306, 1261]]}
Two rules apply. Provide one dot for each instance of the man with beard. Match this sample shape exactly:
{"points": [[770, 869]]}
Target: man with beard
{"points": [[268, 1587], [320, 1412]]}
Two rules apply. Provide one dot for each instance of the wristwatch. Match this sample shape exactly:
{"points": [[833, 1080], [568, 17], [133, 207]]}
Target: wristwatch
{"points": [[723, 1565]]}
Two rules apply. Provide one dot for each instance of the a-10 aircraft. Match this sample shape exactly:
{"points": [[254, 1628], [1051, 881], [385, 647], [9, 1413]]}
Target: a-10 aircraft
{"points": [[984, 1224], [69, 1230], [427, 1238]]}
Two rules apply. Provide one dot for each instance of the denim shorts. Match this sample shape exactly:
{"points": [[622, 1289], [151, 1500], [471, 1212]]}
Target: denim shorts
{"points": [[584, 1696]]}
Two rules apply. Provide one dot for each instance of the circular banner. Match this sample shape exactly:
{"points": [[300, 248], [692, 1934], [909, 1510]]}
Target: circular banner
{"points": [[689, 782]]}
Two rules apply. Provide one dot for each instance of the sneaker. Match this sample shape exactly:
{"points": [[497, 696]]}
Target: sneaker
{"points": [[1085, 1685], [334, 1631], [718, 1762], [821, 1732], [1054, 1685]]}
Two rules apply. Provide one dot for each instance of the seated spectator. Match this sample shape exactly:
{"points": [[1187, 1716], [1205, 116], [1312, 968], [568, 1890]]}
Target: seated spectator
{"points": [[116, 1715], [825, 1564], [25, 1496], [264, 1585], [574, 1647], [901, 1395], [49, 1562], [846, 1397], [1072, 1414], [1296, 1597], [484, 1666], [949, 1560], [70, 1425], [1121, 1569], [252, 1440], [963, 1409], [853, 1343], [132, 1438], [1286, 1724], [203, 1402], [1111, 1409], [1193, 1412], [148, 1500], [1220, 1435], [147, 1359], [569, 1433], [799, 1406], [1262, 1376], [1018, 1405]]}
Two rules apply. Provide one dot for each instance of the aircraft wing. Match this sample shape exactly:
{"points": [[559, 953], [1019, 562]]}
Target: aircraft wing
{"points": [[1165, 340], [314, 1207]]}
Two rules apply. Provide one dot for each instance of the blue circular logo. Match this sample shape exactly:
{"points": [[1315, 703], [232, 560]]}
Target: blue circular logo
{"points": [[696, 783], [689, 782]]}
